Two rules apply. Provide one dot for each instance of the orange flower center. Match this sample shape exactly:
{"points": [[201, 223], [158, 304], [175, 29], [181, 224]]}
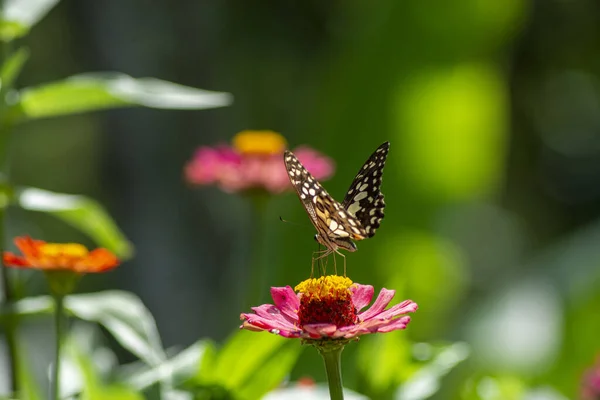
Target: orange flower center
{"points": [[259, 142], [326, 300]]}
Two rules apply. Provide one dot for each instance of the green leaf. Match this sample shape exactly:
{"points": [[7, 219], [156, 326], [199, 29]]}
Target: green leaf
{"points": [[271, 372], [121, 313], [205, 372], [317, 392], [250, 364], [18, 16], [125, 317], [12, 67], [29, 306], [29, 387], [180, 367], [392, 353], [80, 349], [81, 212], [97, 91], [427, 380]]}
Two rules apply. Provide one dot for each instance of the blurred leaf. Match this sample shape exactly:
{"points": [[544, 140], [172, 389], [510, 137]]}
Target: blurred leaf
{"points": [[242, 355], [18, 16], [83, 213], [249, 364], [427, 380], [12, 67], [93, 388], [207, 363], [393, 355], [271, 372], [319, 392], [29, 387], [30, 306], [180, 367], [125, 317], [121, 313], [97, 91], [504, 387]]}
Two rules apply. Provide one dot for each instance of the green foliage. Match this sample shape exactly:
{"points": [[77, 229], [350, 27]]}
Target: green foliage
{"points": [[81, 212], [247, 367], [19, 16], [429, 80], [12, 67], [121, 313], [99, 91]]}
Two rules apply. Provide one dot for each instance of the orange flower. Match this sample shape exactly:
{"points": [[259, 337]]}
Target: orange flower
{"points": [[49, 257]]}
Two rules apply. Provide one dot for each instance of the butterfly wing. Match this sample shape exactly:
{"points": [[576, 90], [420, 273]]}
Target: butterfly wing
{"points": [[364, 199], [327, 215]]}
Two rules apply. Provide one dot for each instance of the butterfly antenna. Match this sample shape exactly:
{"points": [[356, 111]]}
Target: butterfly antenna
{"points": [[292, 222]]}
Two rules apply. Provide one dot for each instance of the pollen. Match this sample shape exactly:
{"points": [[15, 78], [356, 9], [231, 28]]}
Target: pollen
{"points": [[259, 142], [67, 249], [326, 300]]}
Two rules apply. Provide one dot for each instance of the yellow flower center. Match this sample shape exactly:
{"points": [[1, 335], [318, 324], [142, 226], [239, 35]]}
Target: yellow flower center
{"points": [[328, 300], [326, 287], [63, 249], [259, 142]]}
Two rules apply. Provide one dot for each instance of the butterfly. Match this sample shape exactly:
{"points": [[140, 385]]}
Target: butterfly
{"points": [[356, 218]]}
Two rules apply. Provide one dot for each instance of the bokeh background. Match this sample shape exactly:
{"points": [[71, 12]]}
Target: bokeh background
{"points": [[493, 203]]}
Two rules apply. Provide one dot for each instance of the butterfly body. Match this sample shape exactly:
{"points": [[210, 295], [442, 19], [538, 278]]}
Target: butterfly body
{"points": [[357, 217]]}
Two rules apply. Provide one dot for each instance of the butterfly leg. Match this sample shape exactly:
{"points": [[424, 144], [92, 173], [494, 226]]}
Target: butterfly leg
{"points": [[344, 257], [320, 256]]}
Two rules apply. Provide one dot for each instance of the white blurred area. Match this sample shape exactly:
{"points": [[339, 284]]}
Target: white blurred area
{"points": [[519, 329]]}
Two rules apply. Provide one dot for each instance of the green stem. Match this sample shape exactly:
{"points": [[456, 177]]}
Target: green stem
{"points": [[10, 326], [332, 356], [58, 328]]}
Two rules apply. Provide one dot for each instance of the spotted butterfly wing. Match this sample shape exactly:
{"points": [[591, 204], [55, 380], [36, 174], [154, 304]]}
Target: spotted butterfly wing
{"points": [[335, 227], [364, 199]]}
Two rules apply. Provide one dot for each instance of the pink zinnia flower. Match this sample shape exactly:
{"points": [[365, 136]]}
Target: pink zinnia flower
{"points": [[591, 383], [328, 308], [253, 162]]}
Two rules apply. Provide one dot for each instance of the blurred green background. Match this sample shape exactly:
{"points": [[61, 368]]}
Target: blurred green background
{"points": [[493, 203]]}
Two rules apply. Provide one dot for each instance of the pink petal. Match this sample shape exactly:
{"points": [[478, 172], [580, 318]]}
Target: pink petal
{"points": [[399, 309], [256, 326], [266, 324], [384, 298], [398, 323], [208, 164], [320, 330], [269, 311], [361, 295], [286, 301]]}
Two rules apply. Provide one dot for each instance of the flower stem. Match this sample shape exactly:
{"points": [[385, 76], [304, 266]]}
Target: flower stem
{"points": [[10, 326], [58, 327], [332, 356]]}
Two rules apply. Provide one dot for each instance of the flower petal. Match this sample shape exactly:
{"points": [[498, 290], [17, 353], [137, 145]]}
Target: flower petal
{"points": [[267, 324], [269, 311], [398, 323], [28, 246], [361, 295], [384, 298], [14, 260], [286, 301], [402, 308], [320, 330]]}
